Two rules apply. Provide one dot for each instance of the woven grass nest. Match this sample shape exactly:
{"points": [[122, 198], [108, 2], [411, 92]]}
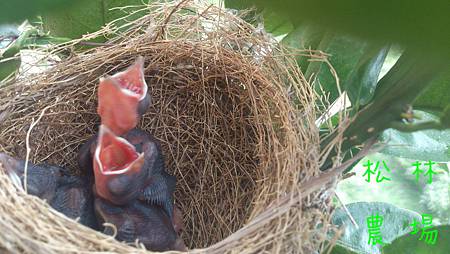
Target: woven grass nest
{"points": [[234, 115]]}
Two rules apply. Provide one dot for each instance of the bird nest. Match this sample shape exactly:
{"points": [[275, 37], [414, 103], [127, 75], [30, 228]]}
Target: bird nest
{"points": [[234, 115]]}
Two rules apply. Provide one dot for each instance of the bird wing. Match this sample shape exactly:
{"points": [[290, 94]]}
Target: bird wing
{"points": [[70, 201], [160, 192], [127, 231]]}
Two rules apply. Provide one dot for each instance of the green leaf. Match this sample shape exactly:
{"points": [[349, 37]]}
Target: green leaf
{"points": [[30, 38], [395, 51], [19, 10], [395, 223], [403, 190], [357, 65], [85, 18], [412, 245], [362, 82], [383, 21], [395, 91], [44, 40], [345, 53], [437, 96], [14, 46], [445, 117], [420, 145], [238, 4], [8, 67], [436, 196], [275, 24], [9, 61], [303, 37]]}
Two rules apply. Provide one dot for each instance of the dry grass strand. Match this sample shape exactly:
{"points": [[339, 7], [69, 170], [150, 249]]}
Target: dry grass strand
{"points": [[235, 117]]}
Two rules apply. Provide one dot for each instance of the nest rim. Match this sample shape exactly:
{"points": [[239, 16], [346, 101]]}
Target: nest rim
{"points": [[272, 120]]}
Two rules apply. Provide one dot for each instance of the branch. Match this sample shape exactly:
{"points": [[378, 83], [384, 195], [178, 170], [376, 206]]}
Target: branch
{"points": [[417, 127]]}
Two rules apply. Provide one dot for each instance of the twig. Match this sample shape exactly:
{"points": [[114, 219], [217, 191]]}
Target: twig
{"points": [[417, 127], [348, 175], [95, 44], [346, 210], [166, 21], [113, 227], [27, 142]]}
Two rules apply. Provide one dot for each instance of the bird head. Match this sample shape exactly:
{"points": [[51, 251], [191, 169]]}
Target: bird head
{"points": [[120, 96], [117, 166]]}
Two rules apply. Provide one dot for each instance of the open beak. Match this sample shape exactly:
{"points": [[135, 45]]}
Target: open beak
{"points": [[115, 155], [117, 107], [132, 79], [120, 97]]}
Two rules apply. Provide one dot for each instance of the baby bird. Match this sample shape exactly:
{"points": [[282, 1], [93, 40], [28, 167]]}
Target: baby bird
{"points": [[141, 221], [118, 168], [123, 98], [66, 193], [128, 167], [132, 189]]}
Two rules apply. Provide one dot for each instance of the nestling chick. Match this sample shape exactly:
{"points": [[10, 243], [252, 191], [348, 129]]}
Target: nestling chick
{"points": [[66, 193], [128, 167], [118, 168]]}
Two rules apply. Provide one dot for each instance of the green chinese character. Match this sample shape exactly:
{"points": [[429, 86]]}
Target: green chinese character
{"points": [[379, 173], [429, 235], [430, 171], [417, 171], [415, 226], [368, 171], [374, 224]]}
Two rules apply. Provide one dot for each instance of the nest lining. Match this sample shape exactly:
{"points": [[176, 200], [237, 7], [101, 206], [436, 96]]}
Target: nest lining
{"points": [[223, 111]]}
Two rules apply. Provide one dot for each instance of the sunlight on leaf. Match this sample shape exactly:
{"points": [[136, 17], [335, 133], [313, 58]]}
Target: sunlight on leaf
{"points": [[357, 238]]}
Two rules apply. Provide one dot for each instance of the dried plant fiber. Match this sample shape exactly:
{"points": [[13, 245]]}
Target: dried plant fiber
{"points": [[234, 115]]}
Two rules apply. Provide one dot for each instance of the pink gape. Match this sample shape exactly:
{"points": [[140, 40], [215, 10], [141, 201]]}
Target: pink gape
{"points": [[122, 98], [116, 162]]}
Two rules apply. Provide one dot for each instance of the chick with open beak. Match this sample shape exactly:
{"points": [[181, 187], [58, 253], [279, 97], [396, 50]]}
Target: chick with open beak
{"points": [[128, 167], [118, 168], [123, 98], [133, 191]]}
